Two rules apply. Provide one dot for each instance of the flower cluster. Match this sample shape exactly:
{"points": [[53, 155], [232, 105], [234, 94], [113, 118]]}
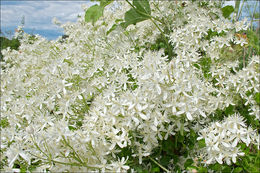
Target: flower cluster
{"points": [[74, 104], [222, 139]]}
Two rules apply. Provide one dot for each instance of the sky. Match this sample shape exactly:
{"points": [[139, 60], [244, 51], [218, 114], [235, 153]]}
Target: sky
{"points": [[38, 15]]}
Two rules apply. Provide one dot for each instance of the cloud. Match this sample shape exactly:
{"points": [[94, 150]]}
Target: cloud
{"points": [[38, 15]]}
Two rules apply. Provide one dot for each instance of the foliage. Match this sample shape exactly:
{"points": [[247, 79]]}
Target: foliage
{"points": [[227, 10], [143, 86], [96, 11], [5, 43]]}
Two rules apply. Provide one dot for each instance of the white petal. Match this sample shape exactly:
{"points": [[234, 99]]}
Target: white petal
{"points": [[143, 116], [13, 160], [153, 128], [226, 144], [64, 91], [199, 138], [139, 107], [160, 136], [228, 161], [234, 159], [165, 96], [180, 112], [24, 156], [219, 159], [189, 116], [68, 84], [234, 143], [135, 120], [124, 86], [131, 106], [174, 110], [202, 113], [112, 146], [209, 161], [215, 147], [156, 122], [120, 145], [218, 125], [80, 97], [158, 88], [145, 77]]}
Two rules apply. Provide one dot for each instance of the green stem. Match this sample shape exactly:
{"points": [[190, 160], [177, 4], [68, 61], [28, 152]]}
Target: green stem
{"points": [[251, 23], [93, 150], [159, 164], [47, 149], [151, 18], [240, 10], [65, 163], [165, 39], [156, 6], [244, 58], [237, 5], [77, 157], [176, 141], [37, 146], [130, 4], [49, 159]]}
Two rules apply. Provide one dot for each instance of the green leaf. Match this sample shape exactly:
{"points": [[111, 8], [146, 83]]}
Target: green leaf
{"points": [[203, 170], [227, 10], [119, 20], [132, 17], [156, 169], [229, 110], [115, 25], [256, 15], [257, 98], [182, 129], [4, 122], [202, 143], [142, 6], [93, 13], [188, 163], [104, 3], [238, 169], [112, 28], [226, 169], [216, 167], [237, 5], [165, 160], [140, 13]]}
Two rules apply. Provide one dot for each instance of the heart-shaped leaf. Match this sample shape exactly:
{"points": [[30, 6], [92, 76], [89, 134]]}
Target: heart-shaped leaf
{"points": [[142, 6], [227, 10], [133, 17], [104, 3], [93, 13]]}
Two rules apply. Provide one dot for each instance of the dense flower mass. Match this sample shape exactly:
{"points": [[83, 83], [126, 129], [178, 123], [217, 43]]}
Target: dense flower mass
{"points": [[74, 104], [222, 139]]}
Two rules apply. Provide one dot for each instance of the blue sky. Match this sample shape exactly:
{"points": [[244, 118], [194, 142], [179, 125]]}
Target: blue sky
{"points": [[38, 15]]}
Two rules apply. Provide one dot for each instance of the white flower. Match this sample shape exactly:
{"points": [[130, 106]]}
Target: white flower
{"points": [[90, 96], [231, 131]]}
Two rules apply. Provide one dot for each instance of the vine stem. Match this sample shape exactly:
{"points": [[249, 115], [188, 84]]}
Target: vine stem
{"points": [[240, 10], [165, 39], [151, 18], [49, 159], [159, 164], [64, 163], [253, 15]]}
